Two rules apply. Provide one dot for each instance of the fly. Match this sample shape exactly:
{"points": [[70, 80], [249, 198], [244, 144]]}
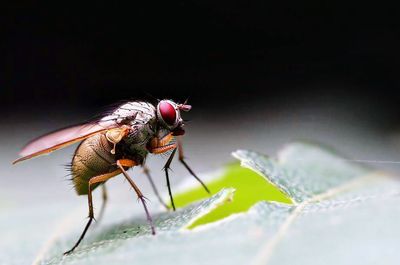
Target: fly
{"points": [[115, 143]]}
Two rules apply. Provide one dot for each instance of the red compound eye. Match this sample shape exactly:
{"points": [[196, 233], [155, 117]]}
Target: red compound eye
{"points": [[168, 112]]}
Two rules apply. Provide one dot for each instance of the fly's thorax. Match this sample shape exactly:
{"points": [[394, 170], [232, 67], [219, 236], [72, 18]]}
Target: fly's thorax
{"points": [[140, 134], [134, 113], [134, 145]]}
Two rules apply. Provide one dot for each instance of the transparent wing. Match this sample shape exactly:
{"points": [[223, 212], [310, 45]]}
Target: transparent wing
{"points": [[64, 137]]}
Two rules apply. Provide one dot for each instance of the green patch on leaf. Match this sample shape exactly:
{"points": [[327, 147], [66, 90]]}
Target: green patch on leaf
{"points": [[250, 188]]}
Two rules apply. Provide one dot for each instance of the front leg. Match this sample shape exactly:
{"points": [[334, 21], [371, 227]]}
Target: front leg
{"points": [[161, 145], [166, 168], [182, 160]]}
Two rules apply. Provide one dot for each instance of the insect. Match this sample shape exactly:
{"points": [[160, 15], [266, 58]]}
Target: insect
{"points": [[114, 143]]}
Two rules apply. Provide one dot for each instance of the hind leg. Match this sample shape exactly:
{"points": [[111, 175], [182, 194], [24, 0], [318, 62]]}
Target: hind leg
{"points": [[92, 181]]}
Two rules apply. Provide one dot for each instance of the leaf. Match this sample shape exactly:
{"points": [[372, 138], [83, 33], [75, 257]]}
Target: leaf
{"points": [[109, 238], [250, 189], [342, 213]]}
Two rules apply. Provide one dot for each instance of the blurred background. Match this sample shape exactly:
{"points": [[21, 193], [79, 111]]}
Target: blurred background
{"points": [[258, 75]]}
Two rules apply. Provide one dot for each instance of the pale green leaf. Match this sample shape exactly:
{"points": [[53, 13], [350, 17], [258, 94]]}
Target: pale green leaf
{"points": [[342, 213]]}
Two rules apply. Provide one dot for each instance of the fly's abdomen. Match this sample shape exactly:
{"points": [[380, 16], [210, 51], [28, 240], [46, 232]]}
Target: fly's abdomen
{"points": [[92, 158]]}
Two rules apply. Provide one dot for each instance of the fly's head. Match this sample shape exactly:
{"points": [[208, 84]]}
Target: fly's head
{"points": [[169, 116]]}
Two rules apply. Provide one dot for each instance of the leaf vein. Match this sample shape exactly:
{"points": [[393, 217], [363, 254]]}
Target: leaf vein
{"points": [[266, 251]]}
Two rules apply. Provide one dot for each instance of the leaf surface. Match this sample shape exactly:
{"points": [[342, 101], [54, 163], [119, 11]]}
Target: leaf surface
{"points": [[341, 213]]}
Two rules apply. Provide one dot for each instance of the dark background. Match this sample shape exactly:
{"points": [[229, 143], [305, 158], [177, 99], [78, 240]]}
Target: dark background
{"points": [[220, 54]]}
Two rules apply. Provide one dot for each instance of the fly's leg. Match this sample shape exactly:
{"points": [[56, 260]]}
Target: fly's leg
{"points": [[146, 171], [166, 168], [169, 161], [92, 181], [161, 145], [104, 196], [158, 146], [129, 163], [182, 160]]}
